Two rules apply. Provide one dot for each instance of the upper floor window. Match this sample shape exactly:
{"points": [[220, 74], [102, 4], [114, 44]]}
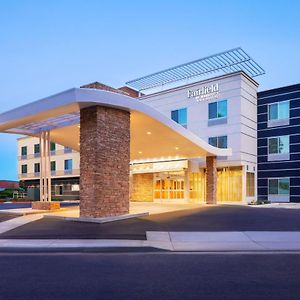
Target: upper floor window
{"points": [[217, 110], [218, 141], [24, 169], [24, 151], [53, 165], [52, 147], [67, 150], [279, 186], [180, 116], [68, 164], [36, 148], [37, 168], [279, 114], [279, 110], [279, 145]]}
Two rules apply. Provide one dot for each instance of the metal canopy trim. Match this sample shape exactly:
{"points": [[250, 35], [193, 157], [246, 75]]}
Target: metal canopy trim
{"points": [[225, 62]]}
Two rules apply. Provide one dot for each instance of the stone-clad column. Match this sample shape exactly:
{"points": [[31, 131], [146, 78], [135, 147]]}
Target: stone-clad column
{"points": [[211, 180], [104, 161]]}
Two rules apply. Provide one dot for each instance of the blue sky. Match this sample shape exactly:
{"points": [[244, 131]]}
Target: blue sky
{"points": [[49, 46]]}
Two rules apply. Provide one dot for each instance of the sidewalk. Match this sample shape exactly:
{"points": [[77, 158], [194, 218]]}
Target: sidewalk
{"points": [[265, 241]]}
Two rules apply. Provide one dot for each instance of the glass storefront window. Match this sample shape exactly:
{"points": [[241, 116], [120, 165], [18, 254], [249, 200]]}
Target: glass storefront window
{"points": [[278, 145], [279, 111], [250, 184]]}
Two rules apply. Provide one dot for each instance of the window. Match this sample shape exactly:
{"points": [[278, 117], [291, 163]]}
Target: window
{"points": [[24, 151], [279, 145], [52, 146], [250, 184], [53, 165], [279, 111], [58, 190], [218, 141], [180, 116], [24, 169], [36, 168], [36, 148], [217, 110], [75, 188], [68, 164], [279, 186], [67, 150]]}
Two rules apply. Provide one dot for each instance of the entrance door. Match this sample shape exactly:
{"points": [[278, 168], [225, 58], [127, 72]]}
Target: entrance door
{"points": [[169, 188]]}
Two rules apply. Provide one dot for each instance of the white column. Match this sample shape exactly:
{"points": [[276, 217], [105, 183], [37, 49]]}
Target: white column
{"points": [[45, 167]]}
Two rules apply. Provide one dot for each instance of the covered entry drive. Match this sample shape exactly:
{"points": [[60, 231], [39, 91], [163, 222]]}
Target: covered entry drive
{"points": [[186, 184]]}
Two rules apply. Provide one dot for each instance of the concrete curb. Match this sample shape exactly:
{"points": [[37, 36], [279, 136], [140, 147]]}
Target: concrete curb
{"points": [[98, 220]]}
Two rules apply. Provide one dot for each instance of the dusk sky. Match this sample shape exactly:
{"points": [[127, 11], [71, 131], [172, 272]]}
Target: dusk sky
{"points": [[50, 46]]}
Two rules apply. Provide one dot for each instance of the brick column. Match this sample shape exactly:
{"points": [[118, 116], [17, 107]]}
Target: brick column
{"points": [[104, 161], [211, 180]]}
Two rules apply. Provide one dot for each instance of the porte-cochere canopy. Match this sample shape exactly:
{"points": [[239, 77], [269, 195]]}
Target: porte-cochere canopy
{"points": [[153, 135]]}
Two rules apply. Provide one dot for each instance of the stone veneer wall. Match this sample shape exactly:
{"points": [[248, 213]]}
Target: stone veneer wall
{"points": [[104, 161], [211, 180], [142, 187]]}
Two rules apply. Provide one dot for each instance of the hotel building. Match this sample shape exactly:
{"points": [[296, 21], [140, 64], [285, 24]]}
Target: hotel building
{"points": [[279, 144], [221, 110]]}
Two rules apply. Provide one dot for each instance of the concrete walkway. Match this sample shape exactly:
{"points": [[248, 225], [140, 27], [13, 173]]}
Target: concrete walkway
{"points": [[18, 221], [248, 241], [228, 241]]}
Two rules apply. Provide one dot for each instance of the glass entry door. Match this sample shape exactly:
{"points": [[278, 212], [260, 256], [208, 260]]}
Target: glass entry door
{"points": [[168, 187]]}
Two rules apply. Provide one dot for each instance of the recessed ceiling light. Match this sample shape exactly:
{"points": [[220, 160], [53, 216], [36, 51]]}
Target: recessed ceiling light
{"points": [[148, 132], [176, 148], [140, 152]]}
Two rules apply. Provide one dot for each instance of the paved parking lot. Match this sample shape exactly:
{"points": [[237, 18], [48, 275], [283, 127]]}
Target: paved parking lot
{"points": [[149, 276], [206, 218]]}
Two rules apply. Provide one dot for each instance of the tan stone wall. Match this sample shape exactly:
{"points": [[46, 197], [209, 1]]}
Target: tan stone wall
{"points": [[141, 188], [211, 180], [104, 161], [45, 205]]}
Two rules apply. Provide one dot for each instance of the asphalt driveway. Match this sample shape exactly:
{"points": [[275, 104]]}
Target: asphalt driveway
{"points": [[210, 218]]}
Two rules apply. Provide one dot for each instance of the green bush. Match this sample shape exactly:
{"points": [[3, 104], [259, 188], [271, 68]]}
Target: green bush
{"points": [[7, 193]]}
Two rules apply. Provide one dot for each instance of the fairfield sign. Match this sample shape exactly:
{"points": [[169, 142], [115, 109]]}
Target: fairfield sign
{"points": [[204, 93]]}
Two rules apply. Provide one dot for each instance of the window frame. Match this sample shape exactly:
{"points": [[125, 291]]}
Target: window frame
{"points": [[248, 187], [177, 112], [39, 168], [217, 139], [26, 151], [217, 112], [67, 160], [278, 179], [24, 166], [277, 104], [278, 143]]}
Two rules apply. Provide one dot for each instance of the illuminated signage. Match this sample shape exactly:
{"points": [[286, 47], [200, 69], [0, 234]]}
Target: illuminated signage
{"points": [[204, 93]]}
